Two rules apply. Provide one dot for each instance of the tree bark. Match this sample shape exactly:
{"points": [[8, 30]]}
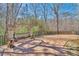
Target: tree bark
{"points": [[9, 22]]}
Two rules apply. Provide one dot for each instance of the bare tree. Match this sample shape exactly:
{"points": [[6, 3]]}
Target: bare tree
{"points": [[65, 16], [45, 14], [35, 10], [56, 12], [56, 8], [15, 14], [9, 21]]}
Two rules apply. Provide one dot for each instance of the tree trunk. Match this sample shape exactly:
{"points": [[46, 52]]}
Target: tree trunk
{"points": [[57, 24], [9, 22]]}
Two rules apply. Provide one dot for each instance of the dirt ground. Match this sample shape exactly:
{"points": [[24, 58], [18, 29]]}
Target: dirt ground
{"points": [[59, 40], [45, 44]]}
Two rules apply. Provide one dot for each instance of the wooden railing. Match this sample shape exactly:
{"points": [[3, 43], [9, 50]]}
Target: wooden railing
{"points": [[21, 35], [16, 36]]}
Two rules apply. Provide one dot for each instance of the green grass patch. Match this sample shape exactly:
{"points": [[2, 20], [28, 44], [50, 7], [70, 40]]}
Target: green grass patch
{"points": [[1, 31], [35, 29], [2, 42], [22, 30]]}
